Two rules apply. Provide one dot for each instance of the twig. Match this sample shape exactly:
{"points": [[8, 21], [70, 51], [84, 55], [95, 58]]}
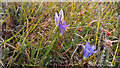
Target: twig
{"points": [[74, 52]]}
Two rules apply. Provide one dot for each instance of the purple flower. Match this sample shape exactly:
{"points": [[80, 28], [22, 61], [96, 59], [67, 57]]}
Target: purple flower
{"points": [[59, 17], [59, 21], [88, 50], [62, 26]]}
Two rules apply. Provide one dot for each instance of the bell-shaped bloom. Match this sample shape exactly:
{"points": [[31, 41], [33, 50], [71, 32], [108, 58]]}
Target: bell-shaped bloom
{"points": [[62, 26], [88, 50], [59, 17]]}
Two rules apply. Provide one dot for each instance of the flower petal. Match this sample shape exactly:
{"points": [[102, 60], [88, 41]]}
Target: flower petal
{"points": [[91, 51], [83, 46], [93, 47], [94, 51], [88, 46], [85, 52], [60, 24], [56, 18], [61, 27], [64, 24], [61, 15]]}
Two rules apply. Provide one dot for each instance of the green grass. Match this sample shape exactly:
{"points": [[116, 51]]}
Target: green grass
{"points": [[31, 37]]}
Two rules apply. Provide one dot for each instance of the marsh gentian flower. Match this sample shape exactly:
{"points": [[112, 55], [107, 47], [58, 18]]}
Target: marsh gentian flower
{"points": [[59, 21], [88, 50], [62, 26], [59, 17]]}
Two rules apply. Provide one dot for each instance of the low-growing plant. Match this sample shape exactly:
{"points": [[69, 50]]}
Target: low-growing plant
{"points": [[34, 34]]}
